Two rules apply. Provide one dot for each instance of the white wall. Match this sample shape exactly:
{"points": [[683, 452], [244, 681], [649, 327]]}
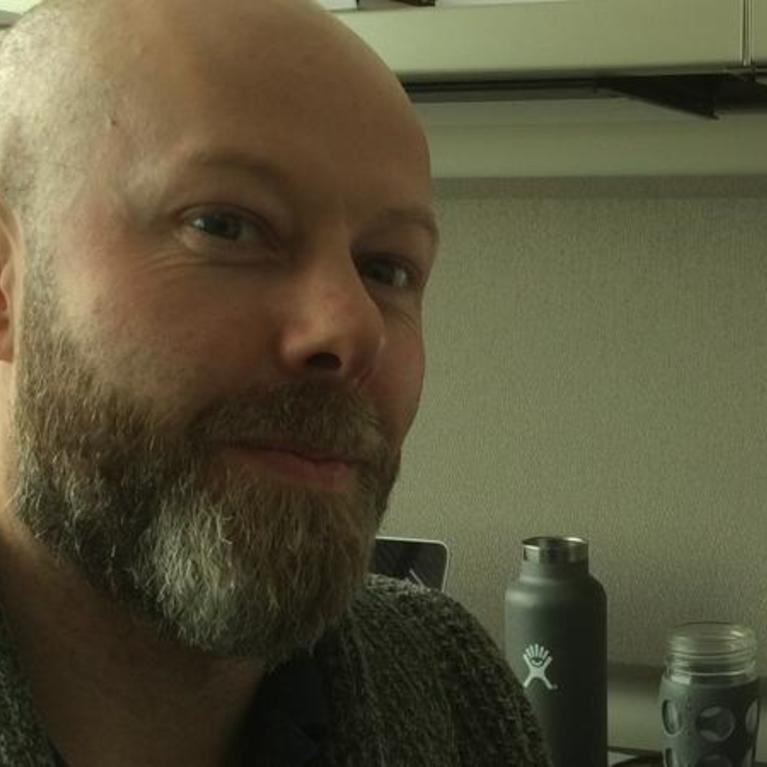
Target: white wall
{"points": [[598, 367]]}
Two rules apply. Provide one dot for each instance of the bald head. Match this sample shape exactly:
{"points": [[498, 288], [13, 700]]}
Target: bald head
{"points": [[67, 81]]}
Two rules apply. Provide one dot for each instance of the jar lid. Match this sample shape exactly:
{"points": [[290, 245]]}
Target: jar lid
{"points": [[555, 551]]}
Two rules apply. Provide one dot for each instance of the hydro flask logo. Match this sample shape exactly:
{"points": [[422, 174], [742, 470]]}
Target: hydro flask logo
{"points": [[538, 659]]}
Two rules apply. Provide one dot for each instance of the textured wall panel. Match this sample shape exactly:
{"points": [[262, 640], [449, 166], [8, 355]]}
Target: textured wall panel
{"points": [[598, 367]]}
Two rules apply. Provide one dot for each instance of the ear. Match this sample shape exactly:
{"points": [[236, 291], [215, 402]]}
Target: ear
{"points": [[10, 242]]}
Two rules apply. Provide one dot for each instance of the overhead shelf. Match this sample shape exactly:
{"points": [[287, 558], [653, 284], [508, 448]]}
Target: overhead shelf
{"points": [[17, 6], [483, 132], [533, 39], [758, 32]]}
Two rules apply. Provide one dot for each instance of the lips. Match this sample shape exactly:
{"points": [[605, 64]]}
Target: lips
{"points": [[306, 453], [322, 469]]}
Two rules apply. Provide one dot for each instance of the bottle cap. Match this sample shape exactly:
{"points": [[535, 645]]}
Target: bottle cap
{"points": [[555, 551]]}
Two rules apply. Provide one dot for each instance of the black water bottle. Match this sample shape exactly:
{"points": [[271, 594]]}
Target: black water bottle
{"points": [[556, 643]]}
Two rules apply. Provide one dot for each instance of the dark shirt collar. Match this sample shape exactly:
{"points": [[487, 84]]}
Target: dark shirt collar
{"points": [[289, 717]]}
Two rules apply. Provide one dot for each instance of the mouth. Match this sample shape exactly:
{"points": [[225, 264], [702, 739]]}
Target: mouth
{"points": [[323, 470]]}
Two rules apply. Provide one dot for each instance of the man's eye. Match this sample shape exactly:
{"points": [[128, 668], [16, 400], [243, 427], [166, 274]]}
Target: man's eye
{"points": [[226, 226], [389, 272]]}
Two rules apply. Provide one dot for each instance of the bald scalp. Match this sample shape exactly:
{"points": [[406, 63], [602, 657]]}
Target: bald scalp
{"points": [[48, 96], [61, 81]]}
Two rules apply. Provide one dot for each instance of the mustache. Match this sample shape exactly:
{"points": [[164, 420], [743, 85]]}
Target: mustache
{"points": [[310, 416]]}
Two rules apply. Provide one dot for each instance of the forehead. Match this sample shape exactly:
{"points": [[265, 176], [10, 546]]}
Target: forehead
{"points": [[288, 86]]}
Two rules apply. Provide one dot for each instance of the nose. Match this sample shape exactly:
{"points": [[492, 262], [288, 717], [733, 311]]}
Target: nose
{"points": [[332, 328]]}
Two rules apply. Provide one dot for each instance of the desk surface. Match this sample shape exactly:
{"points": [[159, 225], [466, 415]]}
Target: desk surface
{"points": [[632, 758]]}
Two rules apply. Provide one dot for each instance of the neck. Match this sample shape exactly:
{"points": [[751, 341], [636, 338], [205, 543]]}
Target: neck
{"points": [[108, 690]]}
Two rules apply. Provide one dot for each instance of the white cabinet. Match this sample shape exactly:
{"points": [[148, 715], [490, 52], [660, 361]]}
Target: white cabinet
{"points": [[758, 31], [17, 6], [565, 39], [540, 38]]}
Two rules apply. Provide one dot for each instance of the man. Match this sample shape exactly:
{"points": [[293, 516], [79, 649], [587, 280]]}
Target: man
{"points": [[215, 236]]}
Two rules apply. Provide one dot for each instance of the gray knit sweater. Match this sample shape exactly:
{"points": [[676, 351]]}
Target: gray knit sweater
{"points": [[412, 680]]}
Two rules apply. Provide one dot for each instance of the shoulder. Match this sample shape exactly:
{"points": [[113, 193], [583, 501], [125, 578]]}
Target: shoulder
{"points": [[441, 653], [388, 603], [428, 627]]}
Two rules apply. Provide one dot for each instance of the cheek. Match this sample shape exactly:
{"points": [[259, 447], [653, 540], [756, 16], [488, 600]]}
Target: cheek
{"points": [[153, 326], [186, 358], [398, 386], [163, 345]]}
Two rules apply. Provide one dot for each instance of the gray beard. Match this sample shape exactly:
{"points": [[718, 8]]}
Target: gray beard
{"points": [[243, 566]]}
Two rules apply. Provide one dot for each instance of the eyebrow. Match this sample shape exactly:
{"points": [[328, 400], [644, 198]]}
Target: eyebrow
{"points": [[416, 214]]}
